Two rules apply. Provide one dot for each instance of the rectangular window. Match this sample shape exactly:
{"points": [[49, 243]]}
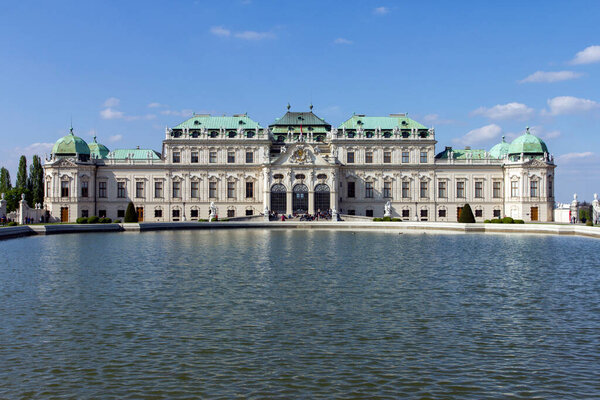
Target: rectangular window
{"points": [[212, 190], [369, 190], [194, 192], [369, 157], [84, 213], [424, 213], [177, 190], [176, 157], [351, 189], [249, 157], [387, 189], [194, 158], [479, 213], [48, 190], [514, 189], [194, 213], [101, 213], [423, 157], [351, 212], [533, 189], [139, 189], [496, 190], [350, 157], [442, 193], [64, 189], [460, 189], [405, 213], [121, 190], [249, 212], [479, 189], [230, 190], [102, 189], [405, 157], [496, 213], [212, 157], [158, 213], [120, 213], [249, 190], [369, 213], [175, 213], [423, 190], [442, 213], [230, 157], [550, 192], [405, 190], [84, 189], [230, 213], [158, 189], [387, 157]]}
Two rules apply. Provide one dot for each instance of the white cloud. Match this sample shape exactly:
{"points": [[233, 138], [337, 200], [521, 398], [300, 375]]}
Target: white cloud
{"points": [[569, 105], [35, 148], [435, 119], [253, 35], [182, 113], [541, 132], [342, 41], [556, 76], [115, 138], [111, 102], [109, 113], [156, 105], [568, 157], [589, 55], [479, 135], [220, 31], [381, 10], [505, 111]]}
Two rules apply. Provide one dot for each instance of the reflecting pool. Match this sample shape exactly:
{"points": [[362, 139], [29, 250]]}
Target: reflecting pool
{"points": [[299, 314]]}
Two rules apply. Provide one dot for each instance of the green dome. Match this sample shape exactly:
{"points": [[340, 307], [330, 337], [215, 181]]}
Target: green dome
{"points": [[527, 144], [98, 150], [500, 150], [70, 144]]}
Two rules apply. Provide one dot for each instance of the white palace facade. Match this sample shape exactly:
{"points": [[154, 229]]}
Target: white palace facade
{"points": [[299, 164]]}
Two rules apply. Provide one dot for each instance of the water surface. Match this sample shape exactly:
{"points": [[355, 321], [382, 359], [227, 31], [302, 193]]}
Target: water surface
{"points": [[299, 314]]}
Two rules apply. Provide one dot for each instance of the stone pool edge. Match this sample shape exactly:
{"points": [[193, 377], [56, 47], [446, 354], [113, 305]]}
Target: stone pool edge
{"points": [[440, 227]]}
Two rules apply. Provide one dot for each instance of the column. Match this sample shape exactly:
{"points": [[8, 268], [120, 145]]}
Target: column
{"points": [[289, 201], [311, 200]]}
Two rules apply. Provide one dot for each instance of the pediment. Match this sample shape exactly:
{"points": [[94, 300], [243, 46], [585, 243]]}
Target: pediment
{"points": [[64, 163], [300, 154]]}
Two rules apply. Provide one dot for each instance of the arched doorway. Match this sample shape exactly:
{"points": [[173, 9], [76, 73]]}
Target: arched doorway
{"points": [[322, 197], [278, 198], [300, 199]]}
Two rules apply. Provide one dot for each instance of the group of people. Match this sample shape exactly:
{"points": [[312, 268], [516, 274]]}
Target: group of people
{"points": [[318, 216]]}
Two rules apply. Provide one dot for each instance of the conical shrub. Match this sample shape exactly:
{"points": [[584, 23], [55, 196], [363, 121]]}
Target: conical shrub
{"points": [[130, 214], [466, 215]]}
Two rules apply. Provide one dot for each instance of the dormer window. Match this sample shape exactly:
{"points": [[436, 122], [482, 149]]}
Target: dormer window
{"points": [[404, 123], [250, 134], [214, 134], [195, 134], [196, 122]]}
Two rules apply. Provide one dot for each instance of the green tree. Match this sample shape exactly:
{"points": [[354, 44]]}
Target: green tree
{"points": [[466, 215], [130, 214], [5, 184], [36, 181], [22, 174], [12, 197]]}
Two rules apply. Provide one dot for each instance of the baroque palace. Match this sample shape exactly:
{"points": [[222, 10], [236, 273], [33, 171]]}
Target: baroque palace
{"points": [[300, 164]]}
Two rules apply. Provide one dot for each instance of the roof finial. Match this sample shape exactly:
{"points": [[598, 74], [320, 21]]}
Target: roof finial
{"points": [[311, 106], [71, 129], [95, 138], [527, 131], [503, 138], [288, 106]]}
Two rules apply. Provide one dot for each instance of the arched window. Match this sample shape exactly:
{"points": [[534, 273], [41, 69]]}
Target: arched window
{"points": [[322, 197], [278, 198], [278, 176], [300, 199], [300, 176], [231, 134], [321, 176], [214, 134]]}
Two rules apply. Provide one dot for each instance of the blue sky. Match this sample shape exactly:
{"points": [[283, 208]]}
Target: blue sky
{"points": [[475, 70]]}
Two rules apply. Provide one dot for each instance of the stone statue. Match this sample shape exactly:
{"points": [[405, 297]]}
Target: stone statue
{"points": [[596, 209], [2, 196], [213, 211], [22, 196], [283, 149], [387, 209], [266, 213]]}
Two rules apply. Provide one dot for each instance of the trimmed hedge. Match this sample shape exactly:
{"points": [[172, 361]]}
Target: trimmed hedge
{"points": [[82, 220], [93, 220], [466, 216], [505, 220], [117, 221], [105, 220], [130, 214], [12, 223], [589, 223], [387, 219]]}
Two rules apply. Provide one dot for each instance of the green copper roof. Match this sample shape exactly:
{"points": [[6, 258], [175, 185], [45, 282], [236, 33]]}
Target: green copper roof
{"points": [[70, 144], [391, 122], [305, 119], [98, 150], [500, 150], [461, 154], [528, 144], [134, 154], [209, 122]]}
